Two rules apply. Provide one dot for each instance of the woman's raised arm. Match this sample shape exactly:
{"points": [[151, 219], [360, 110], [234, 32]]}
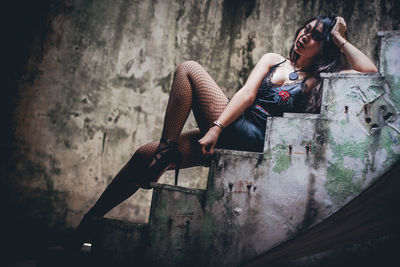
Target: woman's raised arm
{"points": [[243, 99], [359, 61]]}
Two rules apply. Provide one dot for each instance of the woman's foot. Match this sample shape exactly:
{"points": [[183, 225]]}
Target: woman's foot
{"points": [[166, 156], [162, 148], [84, 233]]}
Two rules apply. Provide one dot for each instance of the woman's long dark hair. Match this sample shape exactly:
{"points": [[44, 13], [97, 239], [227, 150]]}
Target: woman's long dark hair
{"points": [[329, 60]]}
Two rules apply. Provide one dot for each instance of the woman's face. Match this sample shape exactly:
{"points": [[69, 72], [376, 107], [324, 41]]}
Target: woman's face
{"points": [[308, 41]]}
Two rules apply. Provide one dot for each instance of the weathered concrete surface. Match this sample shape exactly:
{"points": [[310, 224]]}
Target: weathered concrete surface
{"points": [[176, 230], [312, 166], [373, 213], [120, 243], [389, 65]]}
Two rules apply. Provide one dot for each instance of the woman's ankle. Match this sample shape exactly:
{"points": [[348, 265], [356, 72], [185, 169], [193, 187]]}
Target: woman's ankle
{"points": [[93, 213]]}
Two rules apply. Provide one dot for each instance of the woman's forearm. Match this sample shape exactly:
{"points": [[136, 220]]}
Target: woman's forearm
{"points": [[358, 60], [238, 104], [246, 96], [243, 99], [240, 101]]}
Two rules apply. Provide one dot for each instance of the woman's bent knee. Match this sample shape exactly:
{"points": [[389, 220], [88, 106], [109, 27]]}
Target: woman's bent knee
{"points": [[187, 65]]}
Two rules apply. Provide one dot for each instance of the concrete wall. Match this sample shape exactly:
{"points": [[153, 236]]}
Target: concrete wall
{"points": [[96, 85]]}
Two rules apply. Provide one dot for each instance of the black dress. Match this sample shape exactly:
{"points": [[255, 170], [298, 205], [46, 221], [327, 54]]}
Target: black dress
{"points": [[248, 131]]}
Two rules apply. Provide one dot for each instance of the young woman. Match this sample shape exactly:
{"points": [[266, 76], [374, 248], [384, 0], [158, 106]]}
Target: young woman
{"points": [[276, 85]]}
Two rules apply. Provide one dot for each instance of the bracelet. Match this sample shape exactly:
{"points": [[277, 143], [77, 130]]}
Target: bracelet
{"points": [[218, 123], [345, 42]]}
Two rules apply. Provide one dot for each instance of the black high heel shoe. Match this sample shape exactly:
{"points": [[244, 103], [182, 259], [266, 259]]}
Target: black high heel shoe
{"points": [[83, 233], [169, 157]]}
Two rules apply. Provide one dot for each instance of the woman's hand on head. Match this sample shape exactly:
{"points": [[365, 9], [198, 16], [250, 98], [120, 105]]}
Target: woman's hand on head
{"points": [[338, 31], [209, 140], [357, 59]]}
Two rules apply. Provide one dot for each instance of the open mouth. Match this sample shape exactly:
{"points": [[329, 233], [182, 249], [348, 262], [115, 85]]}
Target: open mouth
{"points": [[299, 44]]}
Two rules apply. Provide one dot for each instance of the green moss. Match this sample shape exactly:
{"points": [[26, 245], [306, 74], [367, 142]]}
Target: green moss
{"points": [[267, 156], [208, 231], [395, 91], [283, 162], [159, 222], [213, 195], [339, 182], [377, 88], [354, 96], [282, 159], [385, 139], [388, 139], [350, 148], [184, 206]]}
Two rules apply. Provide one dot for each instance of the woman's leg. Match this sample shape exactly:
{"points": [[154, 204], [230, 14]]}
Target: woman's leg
{"points": [[123, 186], [192, 87]]}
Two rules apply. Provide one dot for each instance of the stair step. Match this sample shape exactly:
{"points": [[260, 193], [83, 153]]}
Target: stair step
{"points": [[120, 243]]}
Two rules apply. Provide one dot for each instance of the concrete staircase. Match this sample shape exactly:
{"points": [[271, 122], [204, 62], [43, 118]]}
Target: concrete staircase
{"points": [[324, 180]]}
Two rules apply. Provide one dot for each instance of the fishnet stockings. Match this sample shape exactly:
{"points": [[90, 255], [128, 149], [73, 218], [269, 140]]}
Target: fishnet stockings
{"points": [[192, 88]]}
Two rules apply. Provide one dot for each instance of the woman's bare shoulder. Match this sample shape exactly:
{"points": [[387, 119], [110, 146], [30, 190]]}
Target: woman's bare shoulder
{"points": [[274, 57], [271, 59]]}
